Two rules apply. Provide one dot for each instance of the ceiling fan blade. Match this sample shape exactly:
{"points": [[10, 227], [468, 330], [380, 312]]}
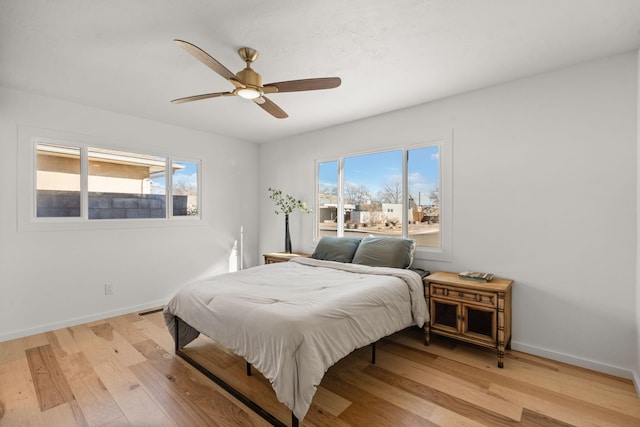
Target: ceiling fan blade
{"points": [[199, 97], [267, 105], [205, 58], [302, 85]]}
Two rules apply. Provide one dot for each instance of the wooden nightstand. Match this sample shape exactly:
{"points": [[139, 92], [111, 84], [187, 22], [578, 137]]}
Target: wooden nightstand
{"points": [[274, 257], [475, 312]]}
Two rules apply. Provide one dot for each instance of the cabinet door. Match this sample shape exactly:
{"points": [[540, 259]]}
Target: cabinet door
{"points": [[445, 315], [479, 322]]}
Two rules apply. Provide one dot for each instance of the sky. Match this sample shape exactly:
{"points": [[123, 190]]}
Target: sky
{"points": [[189, 175], [376, 170]]}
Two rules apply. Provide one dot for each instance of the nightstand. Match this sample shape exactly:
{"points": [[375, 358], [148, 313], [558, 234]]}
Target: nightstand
{"points": [[475, 312], [274, 257]]}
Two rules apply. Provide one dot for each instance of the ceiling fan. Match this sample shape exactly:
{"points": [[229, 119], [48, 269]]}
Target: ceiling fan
{"points": [[248, 83]]}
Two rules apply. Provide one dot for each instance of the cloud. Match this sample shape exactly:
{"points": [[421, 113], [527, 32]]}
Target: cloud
{"points": [[157, 187], [188, 180], [420, 188]]}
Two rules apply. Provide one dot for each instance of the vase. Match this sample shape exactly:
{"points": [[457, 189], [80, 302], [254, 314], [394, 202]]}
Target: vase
{"points": [[287, 236]]}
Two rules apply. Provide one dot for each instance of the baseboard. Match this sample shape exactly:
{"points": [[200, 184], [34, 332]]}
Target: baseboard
{"points": [[80, 320], [576, 361], [636, 382]]}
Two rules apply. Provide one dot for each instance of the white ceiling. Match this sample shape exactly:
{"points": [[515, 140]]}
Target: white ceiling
{"points": [[119, 55]]}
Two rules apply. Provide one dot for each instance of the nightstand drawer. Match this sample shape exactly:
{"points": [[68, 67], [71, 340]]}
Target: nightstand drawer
{"points": [[476, 297]]}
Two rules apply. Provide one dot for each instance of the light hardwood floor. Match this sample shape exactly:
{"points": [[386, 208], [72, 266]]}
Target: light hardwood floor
{"points": [[122, 372]]}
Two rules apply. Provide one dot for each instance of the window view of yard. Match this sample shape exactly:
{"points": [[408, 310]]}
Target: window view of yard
{"points": [[372, 194], [120, 185]]}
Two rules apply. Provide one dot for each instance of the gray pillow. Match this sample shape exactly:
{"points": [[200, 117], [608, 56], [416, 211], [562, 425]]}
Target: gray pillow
{"points": [[385, 252], [339, 249]]}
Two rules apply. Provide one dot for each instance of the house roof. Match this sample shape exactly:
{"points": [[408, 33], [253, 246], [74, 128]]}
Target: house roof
{"points": [[119, 55], [155, 164]]}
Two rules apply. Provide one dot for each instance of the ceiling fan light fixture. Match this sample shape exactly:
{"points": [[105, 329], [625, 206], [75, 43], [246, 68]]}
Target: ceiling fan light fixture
{"points": [[249, 93]]}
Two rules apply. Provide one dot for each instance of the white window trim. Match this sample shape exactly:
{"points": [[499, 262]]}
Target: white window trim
{"points": [[445, 251], [29, 136]]}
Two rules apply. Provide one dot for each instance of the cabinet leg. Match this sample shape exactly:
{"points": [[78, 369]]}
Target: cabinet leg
{"points": [[501, 331], [427, 340]]}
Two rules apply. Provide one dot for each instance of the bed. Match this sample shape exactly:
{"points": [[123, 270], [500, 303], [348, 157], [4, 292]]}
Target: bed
{"points": [[293, 320]]}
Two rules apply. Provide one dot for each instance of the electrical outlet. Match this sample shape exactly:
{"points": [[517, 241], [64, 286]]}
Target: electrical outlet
{"points": [[108, 289]]}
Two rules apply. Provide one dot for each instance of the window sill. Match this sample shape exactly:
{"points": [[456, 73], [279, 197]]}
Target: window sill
{"points": [[66, 224]]}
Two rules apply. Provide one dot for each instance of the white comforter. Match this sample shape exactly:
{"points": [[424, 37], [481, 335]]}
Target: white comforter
{"points": [[293, 320]]}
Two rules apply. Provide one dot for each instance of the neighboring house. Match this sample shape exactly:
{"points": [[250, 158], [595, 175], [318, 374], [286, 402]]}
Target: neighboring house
{"points": [[120, 184], [109, 171], [393, 212]]}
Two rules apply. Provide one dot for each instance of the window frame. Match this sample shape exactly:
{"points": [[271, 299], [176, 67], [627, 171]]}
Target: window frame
{"points": [[442, 253], [28, 140]]}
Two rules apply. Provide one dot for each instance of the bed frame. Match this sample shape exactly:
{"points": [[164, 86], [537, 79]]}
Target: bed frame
{"points": [[235, 393]]}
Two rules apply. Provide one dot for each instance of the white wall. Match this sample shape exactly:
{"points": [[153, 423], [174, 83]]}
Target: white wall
{"points": [[544, 192], [637, 298], [50, 279]]}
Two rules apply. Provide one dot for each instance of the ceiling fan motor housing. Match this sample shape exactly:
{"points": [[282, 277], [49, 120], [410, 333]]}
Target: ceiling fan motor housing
{"points": [[250, 77]]}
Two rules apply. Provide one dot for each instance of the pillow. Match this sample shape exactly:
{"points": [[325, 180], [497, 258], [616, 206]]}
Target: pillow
{"points": [[340, 249], [385, 252]]}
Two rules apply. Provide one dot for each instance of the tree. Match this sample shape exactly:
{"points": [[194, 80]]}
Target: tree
{"points": [[183, 188], [392, 192], [434, 195], [328, 195], [356, 194], [330, 189]]}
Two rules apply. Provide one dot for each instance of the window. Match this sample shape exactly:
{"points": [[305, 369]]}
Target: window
{"points": [[99, 184], [423, 204], [394, 193], [327, 207], [120, 185], [185, 188], [372, 194], [57, 181]]}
